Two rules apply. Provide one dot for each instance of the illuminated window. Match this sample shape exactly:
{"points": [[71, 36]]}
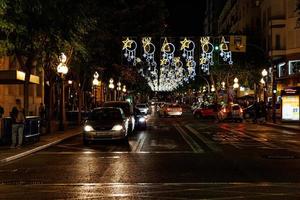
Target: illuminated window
{"points": [[294, 67]]}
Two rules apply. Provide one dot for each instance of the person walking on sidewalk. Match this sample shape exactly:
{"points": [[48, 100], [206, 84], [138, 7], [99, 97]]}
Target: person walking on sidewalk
{"points": [[18, 120]]}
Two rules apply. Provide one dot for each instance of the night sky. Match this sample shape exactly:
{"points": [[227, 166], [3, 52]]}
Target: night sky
{"points": [[185, 17]]}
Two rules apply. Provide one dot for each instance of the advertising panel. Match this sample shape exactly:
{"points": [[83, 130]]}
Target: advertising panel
{"points": [[290, 108]]}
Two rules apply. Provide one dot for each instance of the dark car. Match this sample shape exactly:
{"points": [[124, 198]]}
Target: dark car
{"points": [[127, 109], [105, 124], [140, 119]]}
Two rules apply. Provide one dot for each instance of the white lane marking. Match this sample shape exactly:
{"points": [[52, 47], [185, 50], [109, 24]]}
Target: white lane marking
{"points": [[140, 143], [209, 143], [189, 140]]}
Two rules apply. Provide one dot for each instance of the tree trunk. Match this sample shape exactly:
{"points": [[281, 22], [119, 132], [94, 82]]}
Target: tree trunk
{"points": [[79, 92]]}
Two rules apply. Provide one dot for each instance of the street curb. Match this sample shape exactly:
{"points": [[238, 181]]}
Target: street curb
{"points": [[26, 153]]}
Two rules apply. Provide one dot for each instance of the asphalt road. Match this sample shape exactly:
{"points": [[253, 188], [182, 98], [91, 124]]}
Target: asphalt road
{"points": [[175, 158]]}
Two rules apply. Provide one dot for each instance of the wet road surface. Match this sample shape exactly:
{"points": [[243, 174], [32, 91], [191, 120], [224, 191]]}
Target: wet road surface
{"points": [[175, 158]]}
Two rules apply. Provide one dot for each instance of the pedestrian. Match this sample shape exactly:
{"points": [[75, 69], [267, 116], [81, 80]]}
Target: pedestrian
{"points": [[42, 111], [18, 121], [1, 111]]}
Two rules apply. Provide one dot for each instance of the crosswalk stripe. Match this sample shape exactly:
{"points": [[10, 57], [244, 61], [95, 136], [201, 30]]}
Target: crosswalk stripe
{"points": [[189, 140], [209, 143]]}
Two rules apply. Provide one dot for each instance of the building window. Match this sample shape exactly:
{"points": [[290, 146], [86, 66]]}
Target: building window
{"points": [[277, 42], [294, 67]]}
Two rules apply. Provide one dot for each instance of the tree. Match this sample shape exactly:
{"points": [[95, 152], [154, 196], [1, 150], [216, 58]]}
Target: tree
{"points": [[37, 31]]}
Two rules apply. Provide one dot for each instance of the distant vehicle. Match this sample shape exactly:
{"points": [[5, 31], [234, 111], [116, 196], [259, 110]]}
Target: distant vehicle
{"points": [[206, 111], [170, 110], [153, 101], [231, 112], [143, 108], [127, 109], [105, 124], [140, 120]]}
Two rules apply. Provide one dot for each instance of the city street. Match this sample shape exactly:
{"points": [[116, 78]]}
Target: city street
{"points": [[175, 158]]}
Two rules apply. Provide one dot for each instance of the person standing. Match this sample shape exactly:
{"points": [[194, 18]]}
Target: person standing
{"points": [[18, 121]]}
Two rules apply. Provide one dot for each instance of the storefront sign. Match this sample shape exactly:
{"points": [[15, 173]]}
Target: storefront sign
{"points": [[290, 108]]}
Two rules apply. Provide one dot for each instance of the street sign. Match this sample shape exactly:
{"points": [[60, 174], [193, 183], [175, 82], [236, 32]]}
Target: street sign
{"points": [[238, 43]]}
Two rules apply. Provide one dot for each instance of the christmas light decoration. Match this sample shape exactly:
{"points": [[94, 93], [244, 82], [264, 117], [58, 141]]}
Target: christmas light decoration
{"points": [[206, 58], [129, 48], [225, 53]]}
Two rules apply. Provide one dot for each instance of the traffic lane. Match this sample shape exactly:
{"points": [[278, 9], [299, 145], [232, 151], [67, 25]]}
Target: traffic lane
{"points": [[160, 135], [144, 168], [278, 137], [253, 191]]}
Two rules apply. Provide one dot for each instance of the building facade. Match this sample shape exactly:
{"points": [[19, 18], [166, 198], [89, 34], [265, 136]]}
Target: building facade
{"points": [[212, 11], [12, 86]]}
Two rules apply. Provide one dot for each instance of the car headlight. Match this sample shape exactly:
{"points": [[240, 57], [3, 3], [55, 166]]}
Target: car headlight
{"points": [[142, 119], [88, 128], [117, 128]]}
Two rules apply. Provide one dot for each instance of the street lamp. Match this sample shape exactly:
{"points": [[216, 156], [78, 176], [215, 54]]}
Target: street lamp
{"points": [[70, 82], [95, 84], [111, 87], [236, 85], [62, 70], [213, 88], [264, 81], [119, 89], [124, 89], [223, 85]]}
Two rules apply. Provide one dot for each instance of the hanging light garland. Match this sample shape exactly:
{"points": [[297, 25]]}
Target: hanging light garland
{"points": [[173, 71]]}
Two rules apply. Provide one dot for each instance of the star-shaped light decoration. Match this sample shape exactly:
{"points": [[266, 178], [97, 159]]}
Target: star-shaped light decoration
{"points": [[127, 43], [185, 44], [163, 62]]}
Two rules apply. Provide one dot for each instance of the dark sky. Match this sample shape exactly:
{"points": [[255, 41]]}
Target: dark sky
{"points": [[185, 17]]}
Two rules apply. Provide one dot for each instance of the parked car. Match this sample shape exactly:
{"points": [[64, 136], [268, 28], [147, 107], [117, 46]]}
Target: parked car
{"points": [[170, 110], [105, 124], [231, 112], [127, 109], [140, 120], [143, 108], [206, 111]]}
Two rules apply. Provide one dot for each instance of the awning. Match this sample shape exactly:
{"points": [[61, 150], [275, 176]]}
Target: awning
{"points": [[16, 77]]}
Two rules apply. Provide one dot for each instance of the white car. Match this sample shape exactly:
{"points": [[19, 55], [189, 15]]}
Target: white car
{"points": [[143, 108]]}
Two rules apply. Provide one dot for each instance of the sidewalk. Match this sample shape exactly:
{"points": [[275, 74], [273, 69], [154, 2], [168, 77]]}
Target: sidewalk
{"points": [[7, 154]]}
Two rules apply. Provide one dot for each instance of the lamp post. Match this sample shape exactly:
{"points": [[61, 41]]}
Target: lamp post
{"points": [[236, 86], [95, 84], [111, 87], [70, 82], [62, 70], [119, 90], [264, 74]]}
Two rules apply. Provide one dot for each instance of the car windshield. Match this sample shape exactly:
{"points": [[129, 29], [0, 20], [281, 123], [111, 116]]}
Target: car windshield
{"points": [[235, 107], [124, 106], [174, 106], [106, 114], [141, 106]]}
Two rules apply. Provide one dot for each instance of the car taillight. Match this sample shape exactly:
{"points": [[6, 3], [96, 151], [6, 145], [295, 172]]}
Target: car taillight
{"points": [[224, 110]]}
